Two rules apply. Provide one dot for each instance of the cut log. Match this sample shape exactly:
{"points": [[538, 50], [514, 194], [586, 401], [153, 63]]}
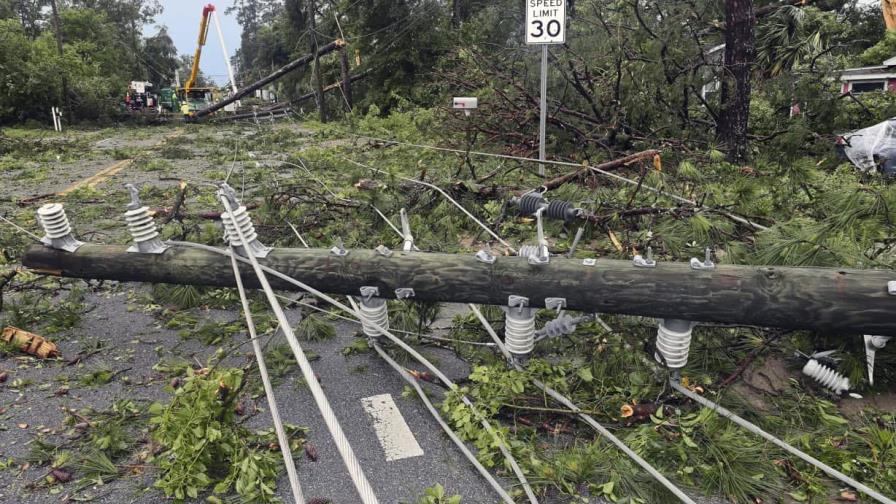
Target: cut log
{"points": [[822, 299]]}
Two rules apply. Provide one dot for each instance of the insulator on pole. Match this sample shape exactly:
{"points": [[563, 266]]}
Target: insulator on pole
{"points": [[532, 202], [673, 342], [519, 327], [827, 377], [872, 345], [537, 254], [141, 226], [242, 220], [58, 231], [374, 312]]}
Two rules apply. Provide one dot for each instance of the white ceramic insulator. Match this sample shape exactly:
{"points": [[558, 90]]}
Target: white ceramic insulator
{"points": [[826, 376], [141, 225], [519, 331], [54, 221], [528, 251], [374, 314], [241, 216], [673, 343]]}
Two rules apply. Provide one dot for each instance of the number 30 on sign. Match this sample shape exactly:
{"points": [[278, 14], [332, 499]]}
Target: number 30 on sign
{"points": [[545, 21]]}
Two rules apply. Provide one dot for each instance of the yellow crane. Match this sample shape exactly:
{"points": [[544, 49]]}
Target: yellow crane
{"points": [[203, 35]]}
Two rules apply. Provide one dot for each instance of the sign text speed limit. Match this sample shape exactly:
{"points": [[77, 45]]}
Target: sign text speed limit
{"points": [[545, 21]]}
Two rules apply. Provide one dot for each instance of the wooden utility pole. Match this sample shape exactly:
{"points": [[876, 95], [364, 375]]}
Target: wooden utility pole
{"points": [[57, 27], [823, 299], [740, 55], [318, 80]]}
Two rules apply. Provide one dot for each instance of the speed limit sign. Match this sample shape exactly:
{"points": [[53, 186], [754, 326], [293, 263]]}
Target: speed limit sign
{"points": [[545, 21]]}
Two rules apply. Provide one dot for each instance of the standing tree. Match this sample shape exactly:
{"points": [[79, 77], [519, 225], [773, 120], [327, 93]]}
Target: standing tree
{"points": [[318, 81], [740, 55], [161, 58]]}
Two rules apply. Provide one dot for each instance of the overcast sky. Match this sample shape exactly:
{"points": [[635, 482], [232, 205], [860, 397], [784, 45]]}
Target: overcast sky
{"points": [[182, 19]]}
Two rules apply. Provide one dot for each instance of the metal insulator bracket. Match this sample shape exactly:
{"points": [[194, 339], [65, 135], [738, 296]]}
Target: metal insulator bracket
{"points": [[645, 262], [383, 251], [872, 345], [339, 249], [369, 292], [555, 303], [408, 245], [404, 293], [539, 254], [518, 302], [706, 264], [485, 256]]}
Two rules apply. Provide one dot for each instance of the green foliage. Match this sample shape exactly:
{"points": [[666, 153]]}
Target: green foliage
{"points": [[437, 495], [180, 296], [413, 316], [359, 346], [883, 50], [45, 314], [203, 445], [314, 327]]}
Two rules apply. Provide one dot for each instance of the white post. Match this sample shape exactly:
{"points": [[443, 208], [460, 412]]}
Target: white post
{"points": [[226, 56], [59, 121], [543, 124], [176, 78]]}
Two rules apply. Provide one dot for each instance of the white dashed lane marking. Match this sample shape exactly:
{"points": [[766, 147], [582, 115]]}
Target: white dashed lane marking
{"points": [[395, 436]]}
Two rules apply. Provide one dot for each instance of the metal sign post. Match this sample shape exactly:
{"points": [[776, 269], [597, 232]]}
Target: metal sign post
{"points": [[545, 25]]}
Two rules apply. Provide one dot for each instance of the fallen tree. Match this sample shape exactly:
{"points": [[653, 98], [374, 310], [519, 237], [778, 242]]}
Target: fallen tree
{"points": [[251, 88], [821, 299]]}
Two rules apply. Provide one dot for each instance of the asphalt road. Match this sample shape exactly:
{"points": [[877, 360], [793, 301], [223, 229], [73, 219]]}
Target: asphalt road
{"points": [[136, 343]]}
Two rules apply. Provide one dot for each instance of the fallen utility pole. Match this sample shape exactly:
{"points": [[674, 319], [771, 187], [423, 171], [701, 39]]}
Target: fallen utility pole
{"points": [[251, 88], [821, 299], [327, 89]]}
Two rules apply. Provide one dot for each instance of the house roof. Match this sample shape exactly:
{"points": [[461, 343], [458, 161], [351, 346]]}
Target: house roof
{"points": [[868, 76]]}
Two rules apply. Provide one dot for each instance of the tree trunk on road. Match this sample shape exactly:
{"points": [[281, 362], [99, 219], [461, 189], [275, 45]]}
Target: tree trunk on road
{"points": [[740, 54]]}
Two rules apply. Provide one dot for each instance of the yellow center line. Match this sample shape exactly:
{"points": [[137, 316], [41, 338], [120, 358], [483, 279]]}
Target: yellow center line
{"points": [[110, 171]]}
